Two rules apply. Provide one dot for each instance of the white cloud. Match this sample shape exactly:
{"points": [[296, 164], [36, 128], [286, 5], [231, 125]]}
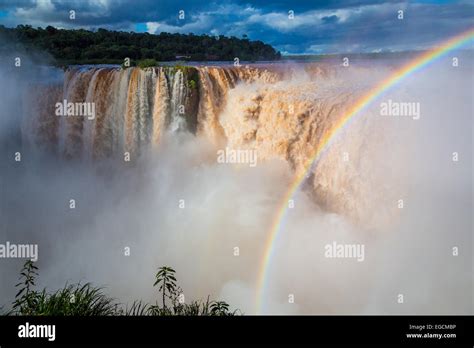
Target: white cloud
{"points": [[42, 8], [152, 27], [199, 23]]}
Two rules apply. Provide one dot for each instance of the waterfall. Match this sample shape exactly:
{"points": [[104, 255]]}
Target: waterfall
{"points": [[280, 112]]}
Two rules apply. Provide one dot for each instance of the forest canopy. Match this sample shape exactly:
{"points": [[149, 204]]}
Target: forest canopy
{"points": [[112, 47]]}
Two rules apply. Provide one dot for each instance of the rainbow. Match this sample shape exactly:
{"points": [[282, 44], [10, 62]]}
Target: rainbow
{"points": [[395, 78]]}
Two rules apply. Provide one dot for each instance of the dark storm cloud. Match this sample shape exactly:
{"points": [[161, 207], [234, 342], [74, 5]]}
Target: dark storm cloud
{"points": [[98, 12], [318, 26]]}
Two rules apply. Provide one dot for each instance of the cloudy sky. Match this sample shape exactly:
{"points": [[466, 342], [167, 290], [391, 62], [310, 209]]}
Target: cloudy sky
{"points": [[318, 26]]}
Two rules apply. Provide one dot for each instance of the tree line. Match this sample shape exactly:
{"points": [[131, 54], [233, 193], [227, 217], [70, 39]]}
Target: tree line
{"points": [[80, 46]]}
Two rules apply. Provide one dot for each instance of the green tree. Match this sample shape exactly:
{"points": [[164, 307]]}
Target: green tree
{"points": [[219, 308], [104, 46], [166, 281], [25, 297]]}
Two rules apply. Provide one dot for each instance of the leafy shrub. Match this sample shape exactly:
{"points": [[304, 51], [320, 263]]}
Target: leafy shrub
{"points": [[147, 63]]}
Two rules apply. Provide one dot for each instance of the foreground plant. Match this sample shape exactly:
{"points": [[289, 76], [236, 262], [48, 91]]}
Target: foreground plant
{"points": [[167, 282], [87, 300], [25, 299]]}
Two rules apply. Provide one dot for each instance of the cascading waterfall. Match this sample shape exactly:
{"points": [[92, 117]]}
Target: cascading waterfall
{"points": [[177, 100], [134, 106], [279, 112]]}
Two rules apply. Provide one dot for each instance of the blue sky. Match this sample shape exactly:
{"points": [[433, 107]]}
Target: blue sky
{"points": [[330, 26]]}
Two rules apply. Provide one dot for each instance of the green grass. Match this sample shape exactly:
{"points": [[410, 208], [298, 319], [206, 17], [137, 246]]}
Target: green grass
{"points": [[74, 300], [88, 300]]}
